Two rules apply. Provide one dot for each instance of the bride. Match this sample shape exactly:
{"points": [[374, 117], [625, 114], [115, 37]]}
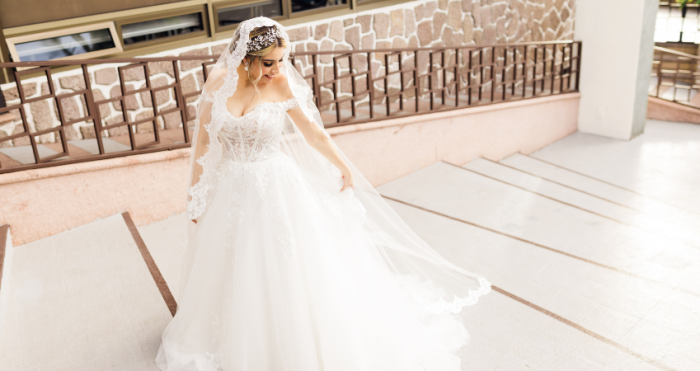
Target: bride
{"points": [[294, 262]]}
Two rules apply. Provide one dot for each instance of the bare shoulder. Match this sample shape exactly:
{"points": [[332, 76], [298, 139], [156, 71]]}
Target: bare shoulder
{"points": [[283, 86], [216, 74], [215, 79]]}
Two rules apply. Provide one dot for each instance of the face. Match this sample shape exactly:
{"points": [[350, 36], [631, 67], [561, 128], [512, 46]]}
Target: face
{"points": [[271, 65]]}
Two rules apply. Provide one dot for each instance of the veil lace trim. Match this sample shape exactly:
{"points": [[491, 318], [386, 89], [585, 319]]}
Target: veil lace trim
{"points": [[395, 229], [210, 160]]}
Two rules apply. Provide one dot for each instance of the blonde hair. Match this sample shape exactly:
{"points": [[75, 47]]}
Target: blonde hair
{"points": [[279, 42]]}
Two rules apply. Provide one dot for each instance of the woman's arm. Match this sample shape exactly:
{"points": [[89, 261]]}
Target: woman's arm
{"points": [[317, 138], [321, 142]]}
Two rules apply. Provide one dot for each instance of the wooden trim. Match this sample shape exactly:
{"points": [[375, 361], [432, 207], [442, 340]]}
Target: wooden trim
{"points": [[586, 331], [365, 2], [539, 308], [541, 194], [5, 75], [363, 6], [151, 264], [11, 42], [551, 249], [210, 17], [608, 183]]}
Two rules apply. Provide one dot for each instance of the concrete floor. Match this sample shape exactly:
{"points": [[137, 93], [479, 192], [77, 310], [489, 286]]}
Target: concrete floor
{"points": [[592, 244]]}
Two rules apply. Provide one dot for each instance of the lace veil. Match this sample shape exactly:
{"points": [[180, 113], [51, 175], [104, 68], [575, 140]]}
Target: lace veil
{"points": [[411, 259]]}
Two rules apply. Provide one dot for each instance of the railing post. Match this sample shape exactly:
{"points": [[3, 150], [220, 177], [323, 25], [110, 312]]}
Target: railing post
{"points": [[386, 83], [503, 74], [401, 82], [469, 79], [430, 82], [93, 111], [316, 83], [180, 100], [552, 70], [457, 77], [571, 65], [370, 85], [675, 79], [481, 72], [352, 86], [493, 72], [525, 49], [416, 81], [335, 89], [534, 72], [443, 69], [515, 72], [154, 104], [578, 66]]}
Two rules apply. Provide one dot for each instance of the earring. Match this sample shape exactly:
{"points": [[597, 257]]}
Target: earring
{"points": [[246, 67]]}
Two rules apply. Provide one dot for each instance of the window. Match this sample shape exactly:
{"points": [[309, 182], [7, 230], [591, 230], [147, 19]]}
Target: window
{"points": [[236, 14], [161, 28], [78, 42], [302, 5], [676, 25]]}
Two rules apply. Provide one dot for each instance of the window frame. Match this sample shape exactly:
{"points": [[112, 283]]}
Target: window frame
{"points": [[227, 4], [365, 2], [311, 12], [118, 48], [201, 9]]}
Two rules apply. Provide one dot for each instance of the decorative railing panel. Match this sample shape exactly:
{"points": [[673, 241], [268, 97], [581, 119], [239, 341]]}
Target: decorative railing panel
{"points": [[119, 107], [354, 86], [674, 77]]}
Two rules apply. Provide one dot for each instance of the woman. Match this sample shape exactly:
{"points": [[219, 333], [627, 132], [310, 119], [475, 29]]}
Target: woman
{"points": [[294, 262]]}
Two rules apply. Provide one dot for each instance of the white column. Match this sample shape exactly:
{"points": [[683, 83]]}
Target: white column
{"points": [[618, 42]]}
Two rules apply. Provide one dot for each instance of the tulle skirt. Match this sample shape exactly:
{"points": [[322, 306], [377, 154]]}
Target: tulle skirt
{"points": [[286, 276]]}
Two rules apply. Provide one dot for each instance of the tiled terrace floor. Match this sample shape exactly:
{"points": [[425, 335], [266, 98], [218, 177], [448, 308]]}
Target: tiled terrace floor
{"points": [[593, 246]]}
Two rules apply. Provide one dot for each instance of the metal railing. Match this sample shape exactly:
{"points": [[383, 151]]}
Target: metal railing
{"points": [[357, 86], [124, 135], [350, 87], [674, 77]]}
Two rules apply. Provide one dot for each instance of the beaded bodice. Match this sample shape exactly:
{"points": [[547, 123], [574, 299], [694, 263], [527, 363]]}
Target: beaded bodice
{"points": [[256, 135]]}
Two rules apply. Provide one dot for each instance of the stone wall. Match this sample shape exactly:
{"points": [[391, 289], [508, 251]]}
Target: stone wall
{"points": [[410, 24]]}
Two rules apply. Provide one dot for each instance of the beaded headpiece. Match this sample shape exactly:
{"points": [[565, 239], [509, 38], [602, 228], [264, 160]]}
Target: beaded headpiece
{"points": [[262, 41]]}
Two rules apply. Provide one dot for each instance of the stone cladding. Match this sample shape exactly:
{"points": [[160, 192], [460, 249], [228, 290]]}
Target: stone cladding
{"points": [[410, 24]]}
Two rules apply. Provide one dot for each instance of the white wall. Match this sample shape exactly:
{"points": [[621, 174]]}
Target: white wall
{"points": [[616, 65]]}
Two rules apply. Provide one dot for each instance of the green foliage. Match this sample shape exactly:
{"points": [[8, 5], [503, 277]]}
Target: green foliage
{"points": [[685, 2]]}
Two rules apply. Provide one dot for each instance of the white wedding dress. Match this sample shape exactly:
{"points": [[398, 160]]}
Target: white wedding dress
{"points": [[283, 272], [296, 286]]}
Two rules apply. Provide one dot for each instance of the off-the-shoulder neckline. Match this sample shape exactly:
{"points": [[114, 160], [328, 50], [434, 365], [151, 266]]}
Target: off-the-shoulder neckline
{"points": [[256, 107]]}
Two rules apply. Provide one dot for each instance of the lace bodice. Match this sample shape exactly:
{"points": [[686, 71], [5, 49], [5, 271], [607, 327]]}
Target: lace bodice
{"points": [[256, 135]]}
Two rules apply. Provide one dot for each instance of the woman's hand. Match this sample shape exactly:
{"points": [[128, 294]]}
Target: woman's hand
{"points": [[194, 221], [347, 180]]}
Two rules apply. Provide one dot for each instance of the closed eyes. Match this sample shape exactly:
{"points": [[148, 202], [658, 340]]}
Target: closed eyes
{"points": [[269, 64]]}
